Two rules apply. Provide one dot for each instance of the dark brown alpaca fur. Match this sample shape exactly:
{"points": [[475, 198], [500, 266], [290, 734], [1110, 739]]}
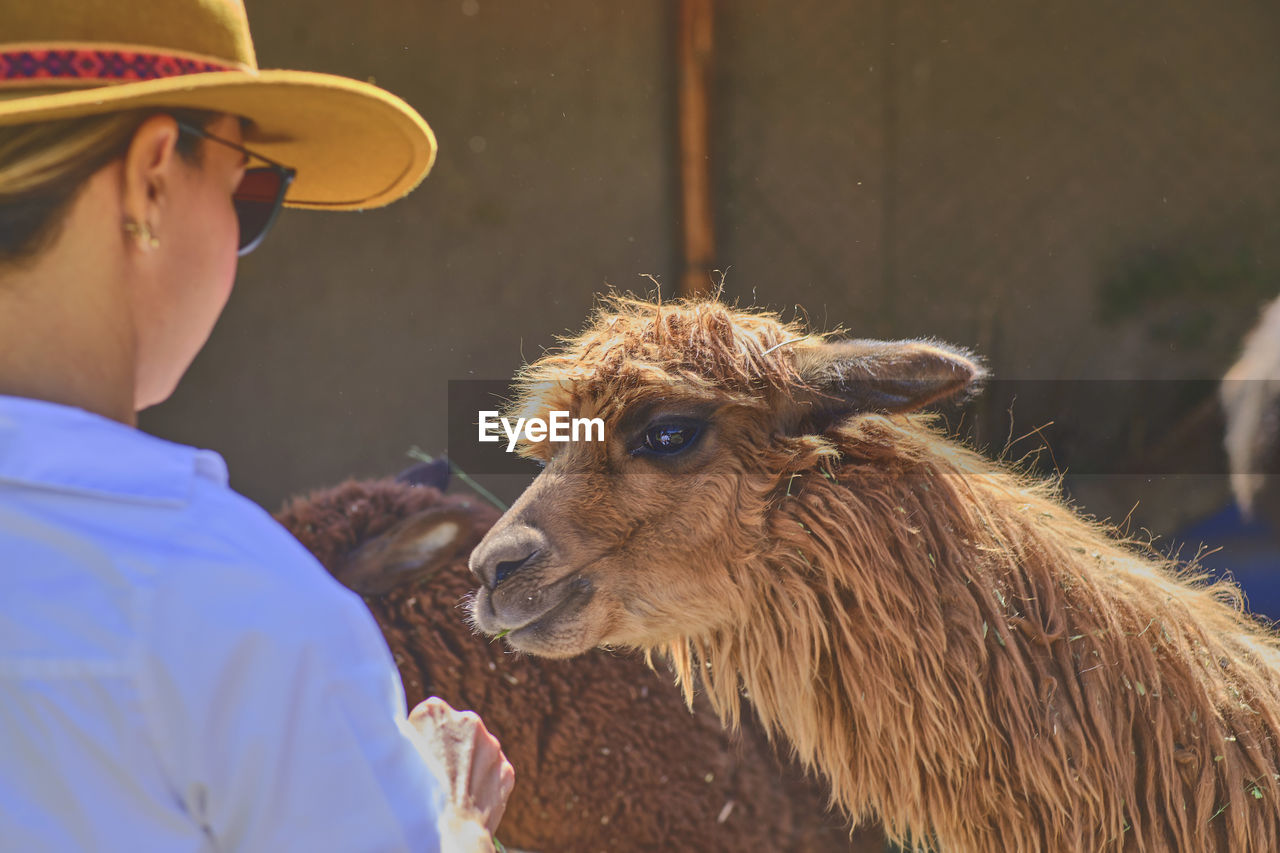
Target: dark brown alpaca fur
{"points": [[955, 650], [607, 757]]}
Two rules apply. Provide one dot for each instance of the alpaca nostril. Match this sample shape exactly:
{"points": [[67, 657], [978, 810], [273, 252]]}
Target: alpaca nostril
{"points": [[507, 549], [507, 568]]}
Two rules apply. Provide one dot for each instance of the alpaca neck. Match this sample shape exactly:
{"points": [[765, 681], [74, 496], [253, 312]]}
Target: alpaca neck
{"points": [[860, 645], [936, 637]]}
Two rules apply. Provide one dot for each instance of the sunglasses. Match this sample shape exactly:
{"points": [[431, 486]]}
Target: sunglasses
{"points": [[259, 196]]}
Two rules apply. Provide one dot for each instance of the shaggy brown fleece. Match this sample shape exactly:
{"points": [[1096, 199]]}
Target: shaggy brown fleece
{"points": [[956, 651], [607, 757]]}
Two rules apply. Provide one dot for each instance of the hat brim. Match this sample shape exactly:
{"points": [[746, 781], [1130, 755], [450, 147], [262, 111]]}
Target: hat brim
{"points": [[353, 145]]}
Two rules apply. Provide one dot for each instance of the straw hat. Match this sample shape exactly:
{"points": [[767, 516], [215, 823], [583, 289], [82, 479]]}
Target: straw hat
{"points": [[353, 144]]}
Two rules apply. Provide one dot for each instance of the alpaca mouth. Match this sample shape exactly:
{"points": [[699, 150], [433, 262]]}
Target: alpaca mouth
{"points": [[543, 627], [567, 596]]}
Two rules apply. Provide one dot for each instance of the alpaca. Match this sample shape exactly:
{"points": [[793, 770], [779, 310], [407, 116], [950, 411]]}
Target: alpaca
{"points": [[954, 650], [1250, 395], [607, 756]]}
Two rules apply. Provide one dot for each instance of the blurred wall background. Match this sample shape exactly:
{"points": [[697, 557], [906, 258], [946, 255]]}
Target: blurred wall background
{"points": [[1075, 190]]}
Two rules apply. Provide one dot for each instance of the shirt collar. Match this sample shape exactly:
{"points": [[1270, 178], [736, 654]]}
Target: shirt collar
{"points": [[61, 447]]}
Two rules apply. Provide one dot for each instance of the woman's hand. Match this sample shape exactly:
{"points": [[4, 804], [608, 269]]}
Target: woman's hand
{"points": [[476, 776]]}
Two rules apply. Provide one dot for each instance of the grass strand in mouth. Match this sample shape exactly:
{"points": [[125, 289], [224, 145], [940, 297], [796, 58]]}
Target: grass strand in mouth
{"points": [[502, 633]]}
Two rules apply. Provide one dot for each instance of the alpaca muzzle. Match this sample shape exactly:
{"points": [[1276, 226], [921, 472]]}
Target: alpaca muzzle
{"points": [[498, 557]]}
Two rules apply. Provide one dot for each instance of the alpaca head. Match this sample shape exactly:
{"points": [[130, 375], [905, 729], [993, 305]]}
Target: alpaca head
{"points": [[708, 411]]}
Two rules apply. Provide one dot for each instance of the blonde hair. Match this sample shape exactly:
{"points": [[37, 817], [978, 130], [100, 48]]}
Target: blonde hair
{"points": [[43, 167]]}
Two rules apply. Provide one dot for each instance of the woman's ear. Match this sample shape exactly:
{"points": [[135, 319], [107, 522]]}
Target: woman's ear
{"points": [[148, 171], [845, 378]]}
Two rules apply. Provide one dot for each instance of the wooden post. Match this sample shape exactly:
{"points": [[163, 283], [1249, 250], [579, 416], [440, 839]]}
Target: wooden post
{"points": [[695, 182]]}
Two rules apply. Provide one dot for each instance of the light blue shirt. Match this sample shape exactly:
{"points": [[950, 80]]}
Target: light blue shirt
{"points": [[176, 672]]}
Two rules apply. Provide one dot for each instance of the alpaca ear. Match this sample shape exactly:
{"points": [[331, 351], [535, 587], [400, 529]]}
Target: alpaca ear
{"points": [[409, 552], [844, 378], [434, 473]]}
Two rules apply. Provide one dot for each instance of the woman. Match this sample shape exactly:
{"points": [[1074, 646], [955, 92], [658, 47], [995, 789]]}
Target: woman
{"points": [[176, 673]]}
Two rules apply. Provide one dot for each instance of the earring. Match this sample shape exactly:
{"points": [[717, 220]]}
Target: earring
{"points": [[142, 233]]}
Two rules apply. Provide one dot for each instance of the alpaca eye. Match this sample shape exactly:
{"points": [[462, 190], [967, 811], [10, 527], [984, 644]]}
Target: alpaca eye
{"points": [[669, 439]]}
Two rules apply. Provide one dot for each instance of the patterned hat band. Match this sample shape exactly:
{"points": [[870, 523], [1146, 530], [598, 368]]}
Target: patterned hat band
{"points": [[40, 65]]}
